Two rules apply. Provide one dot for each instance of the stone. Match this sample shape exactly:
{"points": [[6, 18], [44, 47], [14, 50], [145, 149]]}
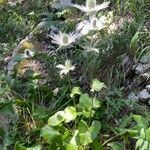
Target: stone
{"points": [[141, 68], [144, 95], [145, 59], [133, 96], [148, 88]]}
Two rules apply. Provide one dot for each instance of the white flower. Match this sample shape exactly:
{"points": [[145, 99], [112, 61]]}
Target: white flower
{"points": [[91, 6], [63, 39], [66, 68], [93, 24], [90, 49], [28, 53]]}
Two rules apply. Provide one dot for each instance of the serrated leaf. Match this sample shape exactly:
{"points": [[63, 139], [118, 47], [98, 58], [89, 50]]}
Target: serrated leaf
{"points": [[50, 134], [75, 91], [70, 114], [56, 119], [97, 86]]}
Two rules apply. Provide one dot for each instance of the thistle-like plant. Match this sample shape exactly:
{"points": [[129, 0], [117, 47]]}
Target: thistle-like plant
{"points": [[94, 23], [63, 39], [65, 69], [91, 6]]}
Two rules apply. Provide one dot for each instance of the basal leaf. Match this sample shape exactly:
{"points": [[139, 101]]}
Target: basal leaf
{"points": [[85, 138], [56, 119], [94, 129], [82, 127], [50, 134], [70, 114]]}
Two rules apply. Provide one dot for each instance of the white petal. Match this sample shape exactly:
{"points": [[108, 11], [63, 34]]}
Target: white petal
{"points": [[60, 66]]}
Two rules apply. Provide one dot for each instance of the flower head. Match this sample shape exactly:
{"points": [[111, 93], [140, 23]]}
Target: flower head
{"points": [[65, 69], [93, 24], [28, 53], [91, 6], [63, 39]]}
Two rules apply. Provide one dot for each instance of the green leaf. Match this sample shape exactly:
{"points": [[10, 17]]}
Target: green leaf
{"points": [[145, 146], [97, 86], [75, 91], [139, 143], [70, 114], [148, 135], [116, 145], [141, 122], [50, 134], [133, 43], [96, 145], [94, 129], [56, 119], [96, 103], [85, 138], [88, 103], [82, 127], [142, 135], [19, 147], [131, 132], [85, 102], [73, 145]]}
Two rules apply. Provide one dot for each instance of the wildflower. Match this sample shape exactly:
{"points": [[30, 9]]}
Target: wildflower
{"points": [[91, 6], [63, 39], [66, 68], [90, 49], [93, 24], [28, 53]]}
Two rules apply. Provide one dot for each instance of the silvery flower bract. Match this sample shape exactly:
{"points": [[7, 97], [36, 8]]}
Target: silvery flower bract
{"points": [[63, 39], [65, 69], [93, 23], [91, 6]]}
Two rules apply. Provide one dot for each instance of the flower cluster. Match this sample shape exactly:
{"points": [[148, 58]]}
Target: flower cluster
{"points": [[64, 40]]}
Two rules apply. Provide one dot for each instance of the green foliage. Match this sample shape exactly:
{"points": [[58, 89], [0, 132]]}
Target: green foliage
{"points": [[49, 111], [80, 134]]}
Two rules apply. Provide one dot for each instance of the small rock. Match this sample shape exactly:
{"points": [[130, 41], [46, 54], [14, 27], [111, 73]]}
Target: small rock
{"points": [[144, 95], [141, 68], [148, 88], [133, 96], [145, 59]]}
